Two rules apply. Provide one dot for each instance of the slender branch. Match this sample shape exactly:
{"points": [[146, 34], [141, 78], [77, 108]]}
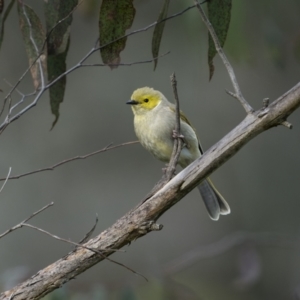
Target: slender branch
{"points": [[178, 138], [128, 228], [99, 252], [23, 97], [126, 64], [88, 235], [21, 224], [38, 52], [38, 56], [107, 148], [238, 94], [37, 61], [3, 185]]}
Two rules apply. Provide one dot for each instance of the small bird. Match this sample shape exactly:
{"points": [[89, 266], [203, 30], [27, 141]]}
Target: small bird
{"points": [[154, 124]]}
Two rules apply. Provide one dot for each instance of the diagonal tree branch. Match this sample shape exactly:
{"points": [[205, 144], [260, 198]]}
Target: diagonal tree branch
{"points": [[141, 220]]}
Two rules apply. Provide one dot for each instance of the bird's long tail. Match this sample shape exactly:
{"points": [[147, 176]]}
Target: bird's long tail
{"points": [[215, 204]]}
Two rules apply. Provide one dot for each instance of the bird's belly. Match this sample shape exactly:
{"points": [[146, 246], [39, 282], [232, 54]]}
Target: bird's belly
{"points": [[160, 146], [160, 142]]}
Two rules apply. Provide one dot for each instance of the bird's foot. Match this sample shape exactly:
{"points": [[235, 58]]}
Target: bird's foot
{"points": [[175, 135]]}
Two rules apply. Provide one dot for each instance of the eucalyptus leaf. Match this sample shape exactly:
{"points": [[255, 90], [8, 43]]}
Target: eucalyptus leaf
{"points": [[58, 22], [115, 18], [219, 14], [158, 31], [34, 37]]}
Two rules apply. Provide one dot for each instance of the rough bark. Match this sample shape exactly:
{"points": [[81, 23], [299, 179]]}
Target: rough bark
{"points": [[139, 221]]}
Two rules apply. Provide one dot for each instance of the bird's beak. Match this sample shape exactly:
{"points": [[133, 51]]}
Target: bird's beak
{"points": [[132, 102]]}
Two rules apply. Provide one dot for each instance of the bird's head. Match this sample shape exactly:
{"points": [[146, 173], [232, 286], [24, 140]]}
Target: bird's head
{"points": [[145, 99]]}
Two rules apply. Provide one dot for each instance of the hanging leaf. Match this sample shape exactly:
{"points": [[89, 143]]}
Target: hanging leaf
{"points": [[158, 31], [219, 13], [3, 19], [58, 22], [115, 17], [34, 37], [56, 64]]}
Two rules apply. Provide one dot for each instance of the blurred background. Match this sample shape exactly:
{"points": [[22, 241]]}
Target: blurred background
{"points": [[253, 253]]}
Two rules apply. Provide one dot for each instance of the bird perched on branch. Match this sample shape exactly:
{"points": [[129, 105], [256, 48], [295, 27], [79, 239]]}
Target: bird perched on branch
{"points": [[154, 123]]}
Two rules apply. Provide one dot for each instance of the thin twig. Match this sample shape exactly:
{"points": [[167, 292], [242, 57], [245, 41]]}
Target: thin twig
{"points": [[99, 252], [3, 185], [127, 64], [69, 241], [38, 56], [38, 52], [10, 107], [88, 235], [238, 94], [27, 219], [178, 138], [107, 148]]}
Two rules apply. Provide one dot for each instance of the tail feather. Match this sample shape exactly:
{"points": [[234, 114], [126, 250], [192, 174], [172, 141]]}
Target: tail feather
{"points": [[215, 204]]}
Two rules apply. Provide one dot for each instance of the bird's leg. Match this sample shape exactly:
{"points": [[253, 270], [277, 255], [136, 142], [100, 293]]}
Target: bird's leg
{"points": [[175, 135]]}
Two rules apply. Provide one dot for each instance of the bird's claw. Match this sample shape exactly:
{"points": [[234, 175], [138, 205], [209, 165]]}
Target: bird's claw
{"points": [[175, 135], [147, 226]]}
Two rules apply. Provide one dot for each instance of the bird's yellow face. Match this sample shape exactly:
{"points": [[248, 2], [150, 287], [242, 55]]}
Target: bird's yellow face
{"points": [[144, 99]]}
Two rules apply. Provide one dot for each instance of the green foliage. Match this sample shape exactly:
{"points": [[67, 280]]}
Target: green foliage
{"points": [[34, 39], [49, 47], [56, 64], [58, 22], [158, 31], [115, 17], [219, 14], [59, 18]]}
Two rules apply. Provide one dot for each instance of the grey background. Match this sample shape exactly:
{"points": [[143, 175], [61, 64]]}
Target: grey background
{"points": [[261, 182]]}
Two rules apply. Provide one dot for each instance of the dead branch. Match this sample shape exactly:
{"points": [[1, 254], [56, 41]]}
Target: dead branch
{"points": [[107, 148], [21, 224], [178, 141], [141, 220]]}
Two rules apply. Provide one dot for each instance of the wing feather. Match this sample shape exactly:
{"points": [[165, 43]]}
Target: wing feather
{"points": [[183, 118]]}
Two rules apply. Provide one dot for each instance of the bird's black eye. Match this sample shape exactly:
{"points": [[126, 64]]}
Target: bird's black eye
{"points": [[146, 100]]}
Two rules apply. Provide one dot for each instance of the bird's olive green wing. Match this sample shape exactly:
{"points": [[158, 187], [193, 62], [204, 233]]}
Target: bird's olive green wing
{"points": [[185, 119]]}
